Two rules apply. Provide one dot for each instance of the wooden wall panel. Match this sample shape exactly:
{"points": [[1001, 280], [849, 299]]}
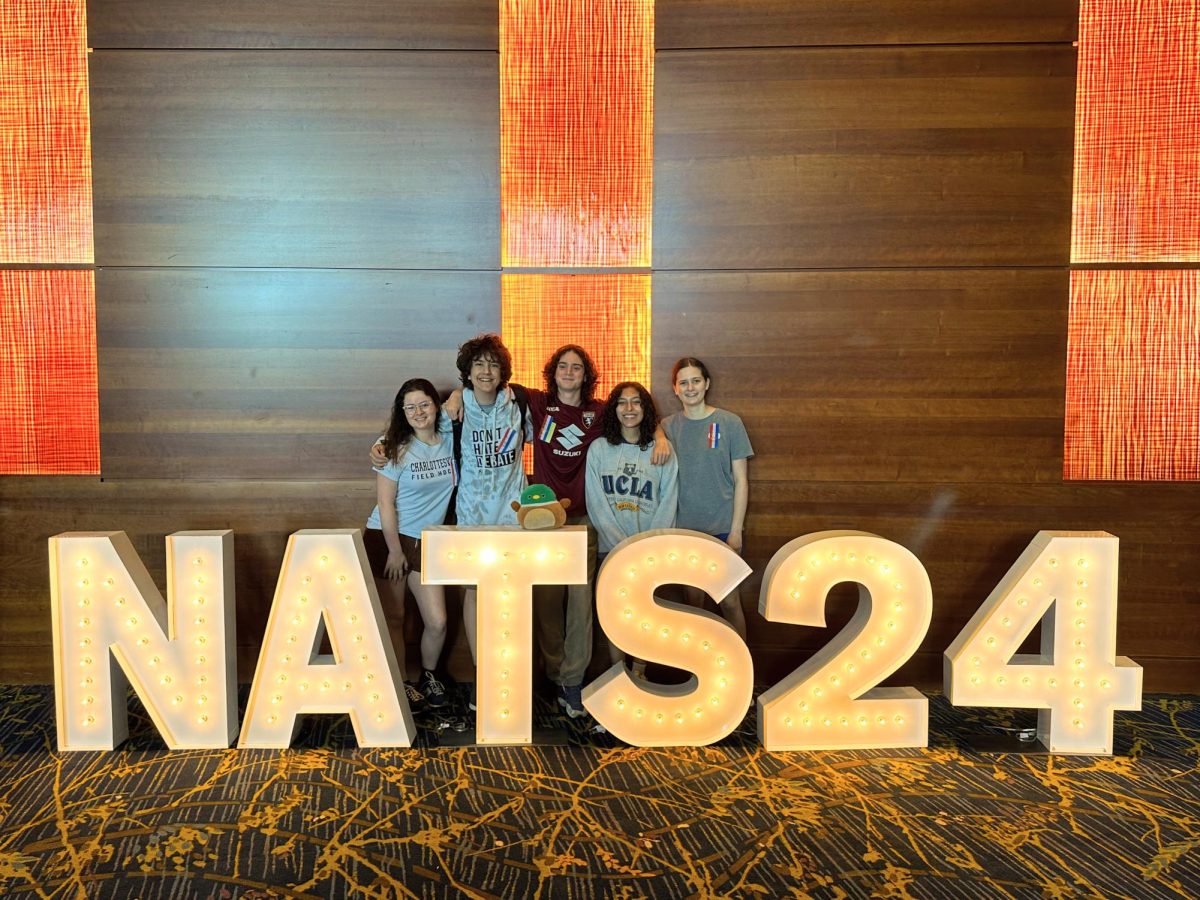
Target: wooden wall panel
{"points": [[799, 23], [362, 159], [966, 535], [294, 24], [914, 375], [946, 156], [242, 373]]}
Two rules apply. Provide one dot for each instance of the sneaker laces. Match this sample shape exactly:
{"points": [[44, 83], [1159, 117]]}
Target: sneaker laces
{"points": [[413, 695], [432, 685]]}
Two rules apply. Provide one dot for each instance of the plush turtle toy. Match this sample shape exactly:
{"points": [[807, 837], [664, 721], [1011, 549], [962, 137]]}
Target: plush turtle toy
{"points": [[539, 508]]}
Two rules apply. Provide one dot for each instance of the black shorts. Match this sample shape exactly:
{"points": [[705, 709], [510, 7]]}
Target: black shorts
{"points": [[377, 551]]}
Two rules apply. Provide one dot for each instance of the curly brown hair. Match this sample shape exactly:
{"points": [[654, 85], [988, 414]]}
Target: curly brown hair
{"points": [[480, 347], [590, 375], [610, 424]]}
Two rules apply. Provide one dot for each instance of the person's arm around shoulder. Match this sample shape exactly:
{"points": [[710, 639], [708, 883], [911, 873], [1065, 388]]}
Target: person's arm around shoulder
{"points": [[662, 447]]}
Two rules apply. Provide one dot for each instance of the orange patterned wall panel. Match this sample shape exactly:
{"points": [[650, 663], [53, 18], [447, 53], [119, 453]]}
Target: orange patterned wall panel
{"points": [[49, 421], [1133, 376], [607, 315], [45, 144], [1137, 132], [576, 132]]}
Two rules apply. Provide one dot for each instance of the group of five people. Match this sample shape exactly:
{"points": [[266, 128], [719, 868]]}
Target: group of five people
{"points": [[623, 470]]}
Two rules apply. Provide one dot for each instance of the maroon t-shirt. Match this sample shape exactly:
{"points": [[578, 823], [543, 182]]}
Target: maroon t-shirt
{"points": [[561, 437]]}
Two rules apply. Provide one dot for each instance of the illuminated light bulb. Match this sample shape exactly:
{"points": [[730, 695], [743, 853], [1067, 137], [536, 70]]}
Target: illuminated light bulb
{"points": [[991, 642], [1105, 683], [672, 557], [835, 557], [705, 645], [202, 719], [85, 602], [623, 592], [693, 559], [865, 654], [304, 598], [723, 682], [1078, 682], [806, 721], [787, 720], [1079, 643], [341, 579], [201, 640], [198, 580], [1082, 563], [143, 641], [291, 638], [379, 717], [975, 679], [899, 720], [177, 699], [1080, 603], [818, 691], [1022, 601], [712, 567], [352, 619], [487, 556], [505, 713], [879, 642], [850, 667], [852, 556], [649, 560], [802, 577], [659, 717], [307, 579], [1006, 622], [722, 662], [815, 563], [504, 673], [640, 713], [1079, 664], [714, 700], [833, 679], [197, 600], [358, 639], [272, 718], [362, 657], [880, 720], [803, 704], [844, 721], [1052, 682], [665, 632], [202, 699], [282, 678], [324, 560], [88, 701], [84, 623], [203, 679], [560, 556], [303, 686], [132, 621], [1000, 679], [166, 679], [1078, 723], [86, 642], [347, 685], [1082, 582], [685, 637], [885, 568], [620, 703], [1080, 623], [201, 660], [891, 626], [84, 582], [110, 581], [826, 721], [1037, 582], [698, 712], [795, 595], [89, 720], [199, 620], [450, 555], [645, 625], [83, 563], [325, 685], [1026, 681], [632, 573], [863, 721]]}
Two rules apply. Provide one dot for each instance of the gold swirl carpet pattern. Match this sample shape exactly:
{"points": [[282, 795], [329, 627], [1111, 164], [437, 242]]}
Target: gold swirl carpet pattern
{"points": [[594, 819]]}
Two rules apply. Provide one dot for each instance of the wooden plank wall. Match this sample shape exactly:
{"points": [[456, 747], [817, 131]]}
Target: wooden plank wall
{"points": [[861, 223]]}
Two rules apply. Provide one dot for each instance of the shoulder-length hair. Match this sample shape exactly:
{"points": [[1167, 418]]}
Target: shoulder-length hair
{"points": [[481, 346], [399, 432], [590, 375], [686, 362], [611, 425]]}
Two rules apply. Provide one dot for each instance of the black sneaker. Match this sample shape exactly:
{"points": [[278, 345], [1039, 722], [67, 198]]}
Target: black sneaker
{"points": [[416, 700], [571, 700], [433, 689]]}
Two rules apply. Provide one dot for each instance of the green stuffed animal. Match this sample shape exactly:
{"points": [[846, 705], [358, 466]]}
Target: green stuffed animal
{"points": [[539, 508]]}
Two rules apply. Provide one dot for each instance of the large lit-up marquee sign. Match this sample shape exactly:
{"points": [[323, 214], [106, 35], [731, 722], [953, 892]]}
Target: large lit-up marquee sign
{"points": [[112, 627]]}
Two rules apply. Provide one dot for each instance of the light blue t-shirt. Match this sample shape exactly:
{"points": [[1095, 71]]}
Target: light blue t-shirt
{"points": [[425, 478]]}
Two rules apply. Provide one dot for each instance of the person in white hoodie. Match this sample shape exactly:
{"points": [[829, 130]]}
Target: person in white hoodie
{"points": [[626, 493]]}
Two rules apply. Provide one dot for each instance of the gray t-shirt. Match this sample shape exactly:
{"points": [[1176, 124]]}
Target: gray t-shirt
{"points": [[425, 478], [706, 449]]}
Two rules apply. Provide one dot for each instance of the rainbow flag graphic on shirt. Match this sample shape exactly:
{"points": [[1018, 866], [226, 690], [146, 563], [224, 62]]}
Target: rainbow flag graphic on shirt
{"points": [[714, 436], [548, 429], [508, 441]]}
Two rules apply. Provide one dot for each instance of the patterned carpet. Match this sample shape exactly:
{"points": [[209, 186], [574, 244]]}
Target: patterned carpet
{"points": [[591, 819]]}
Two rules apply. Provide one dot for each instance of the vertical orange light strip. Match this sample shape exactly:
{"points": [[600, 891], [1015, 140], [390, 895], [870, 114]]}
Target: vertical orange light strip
{"points": [[609, 315], [1133, 376], [49, 417], [1137, 132], [576, 132], [49, 410], [1133, 367], [45, 135]]}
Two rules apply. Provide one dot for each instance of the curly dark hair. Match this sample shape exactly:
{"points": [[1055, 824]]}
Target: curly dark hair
{"points": [[610, 424], [484, 345], [590, 375], [399, 432]]}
